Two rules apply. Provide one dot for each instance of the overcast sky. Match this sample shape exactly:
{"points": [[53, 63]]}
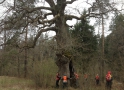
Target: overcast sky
{"points": [[80, 5]]}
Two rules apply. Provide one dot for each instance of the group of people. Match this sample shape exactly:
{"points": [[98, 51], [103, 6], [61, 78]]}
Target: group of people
{"points": [[108, 78], [64, 79], [97, 78]]}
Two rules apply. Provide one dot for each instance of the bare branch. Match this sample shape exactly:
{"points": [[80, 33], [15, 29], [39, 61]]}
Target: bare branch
{"points": [[70, 2], [35, 39], [70, 17], [48, 21], [45, 15], [2, 1], [37, 8], [91, 14], [50, 2], [39, 33]]}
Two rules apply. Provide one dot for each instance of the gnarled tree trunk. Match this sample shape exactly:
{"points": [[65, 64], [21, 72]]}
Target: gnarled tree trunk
{"points": [[63, 62], [65, 66]]}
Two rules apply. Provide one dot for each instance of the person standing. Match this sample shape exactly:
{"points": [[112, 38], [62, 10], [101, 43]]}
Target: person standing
{"points": [[85, 76], [57, 79], [76, 77], [65, 81], [97, 79], [109, 80]]}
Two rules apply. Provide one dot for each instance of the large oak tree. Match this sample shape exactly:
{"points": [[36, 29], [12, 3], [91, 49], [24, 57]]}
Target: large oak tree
{"points": [[50, 15]]}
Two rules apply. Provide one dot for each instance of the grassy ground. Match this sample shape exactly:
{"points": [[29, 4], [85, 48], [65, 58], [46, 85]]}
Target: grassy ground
{"points": [[13, 83]]}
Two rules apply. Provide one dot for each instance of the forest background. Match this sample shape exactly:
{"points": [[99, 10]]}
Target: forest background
{"points": [[92, 53]]}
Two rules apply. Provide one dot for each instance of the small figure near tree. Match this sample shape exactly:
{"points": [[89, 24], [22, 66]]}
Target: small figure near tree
{"points": [[97, 79], [85, 76], [65, 81], [57, 79], [76, 77]]}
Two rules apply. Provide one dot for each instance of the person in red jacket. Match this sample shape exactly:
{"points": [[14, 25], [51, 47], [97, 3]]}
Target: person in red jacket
{"points": [[57, 79], [85, 76], [76, 77], [108, 80], [97, 79]]}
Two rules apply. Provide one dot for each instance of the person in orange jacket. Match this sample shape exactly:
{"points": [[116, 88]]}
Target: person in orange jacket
{"points": [[65, 81], [57, 79]]}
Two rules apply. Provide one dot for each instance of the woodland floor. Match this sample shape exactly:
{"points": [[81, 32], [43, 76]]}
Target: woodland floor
{"points": [[13, 83]]}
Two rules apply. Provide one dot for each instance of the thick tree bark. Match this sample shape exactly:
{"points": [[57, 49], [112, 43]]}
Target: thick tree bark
{"points": [[65, 66], [103, 62], [64, 62], [25, 61], [62, 45]]}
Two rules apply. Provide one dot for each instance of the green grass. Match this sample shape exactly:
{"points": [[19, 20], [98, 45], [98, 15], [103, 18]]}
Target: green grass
{"points": [[13, 83]]}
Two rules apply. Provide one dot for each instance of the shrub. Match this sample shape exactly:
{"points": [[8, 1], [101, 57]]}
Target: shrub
{"points": [[44, 73]]}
